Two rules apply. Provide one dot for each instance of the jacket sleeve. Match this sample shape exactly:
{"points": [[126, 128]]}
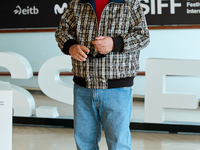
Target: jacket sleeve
{"points": [[137, 37], [65, 34]]}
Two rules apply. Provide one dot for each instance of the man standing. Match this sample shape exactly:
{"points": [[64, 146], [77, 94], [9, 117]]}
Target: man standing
{"points": [[104, 39]]}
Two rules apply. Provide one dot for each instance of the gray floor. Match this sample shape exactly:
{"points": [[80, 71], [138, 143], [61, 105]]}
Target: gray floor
{"points": [[40, 138]]}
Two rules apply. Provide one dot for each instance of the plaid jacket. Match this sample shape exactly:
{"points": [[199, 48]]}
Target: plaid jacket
{"points": [[120, 18]]}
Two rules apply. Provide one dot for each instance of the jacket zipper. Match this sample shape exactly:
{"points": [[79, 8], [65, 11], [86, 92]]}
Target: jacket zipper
{"points": [[98, 27]]}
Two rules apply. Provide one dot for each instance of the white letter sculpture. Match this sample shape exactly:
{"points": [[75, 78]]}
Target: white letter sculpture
{"points": [[20, 68], [156, 97], [50, 82]]}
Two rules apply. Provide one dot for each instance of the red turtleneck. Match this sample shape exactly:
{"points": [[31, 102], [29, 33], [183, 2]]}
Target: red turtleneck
{"points": [[100, 4]]}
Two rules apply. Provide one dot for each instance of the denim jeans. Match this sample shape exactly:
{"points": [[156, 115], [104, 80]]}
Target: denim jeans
{"points": [[107, 109]]}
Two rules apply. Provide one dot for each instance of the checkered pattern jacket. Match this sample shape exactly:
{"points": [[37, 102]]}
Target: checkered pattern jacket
{"points": [[120, 18]]}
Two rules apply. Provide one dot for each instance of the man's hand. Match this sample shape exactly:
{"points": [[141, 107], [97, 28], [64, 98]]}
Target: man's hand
{"points": [[103, 44], [78, 52]]}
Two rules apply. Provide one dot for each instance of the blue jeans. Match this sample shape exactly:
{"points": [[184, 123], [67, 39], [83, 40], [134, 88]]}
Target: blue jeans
{"points": [[109, 109]]}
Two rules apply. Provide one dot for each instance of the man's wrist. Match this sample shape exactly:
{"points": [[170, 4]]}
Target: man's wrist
{"points": [[68, 44]]}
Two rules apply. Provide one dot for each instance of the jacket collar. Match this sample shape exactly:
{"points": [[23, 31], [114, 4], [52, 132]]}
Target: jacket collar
{"points": [[92, 1]]}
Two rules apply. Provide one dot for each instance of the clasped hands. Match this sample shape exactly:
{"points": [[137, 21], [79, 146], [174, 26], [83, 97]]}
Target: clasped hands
{"points": [[103, 45]]}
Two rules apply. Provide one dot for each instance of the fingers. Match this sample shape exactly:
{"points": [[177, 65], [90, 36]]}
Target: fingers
{"points": [[79, 57], [78, 52], [81, 53], [84, 49], [95, 43], [104, 45], [99, 46], [100, 38]]}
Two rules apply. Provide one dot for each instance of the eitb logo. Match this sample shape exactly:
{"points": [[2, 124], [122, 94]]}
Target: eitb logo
{"points": [[26, 11]]}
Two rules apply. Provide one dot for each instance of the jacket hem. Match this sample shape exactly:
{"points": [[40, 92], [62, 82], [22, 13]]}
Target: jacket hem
{"points": [[112, 83]]}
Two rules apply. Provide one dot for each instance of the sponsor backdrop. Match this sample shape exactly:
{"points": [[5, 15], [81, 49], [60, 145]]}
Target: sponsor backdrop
{"points": [[46, 13], [31, 13]]}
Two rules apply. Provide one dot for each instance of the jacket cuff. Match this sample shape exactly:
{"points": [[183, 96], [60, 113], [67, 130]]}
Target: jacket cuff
{"points": [[68, 44], [118, 44]]}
